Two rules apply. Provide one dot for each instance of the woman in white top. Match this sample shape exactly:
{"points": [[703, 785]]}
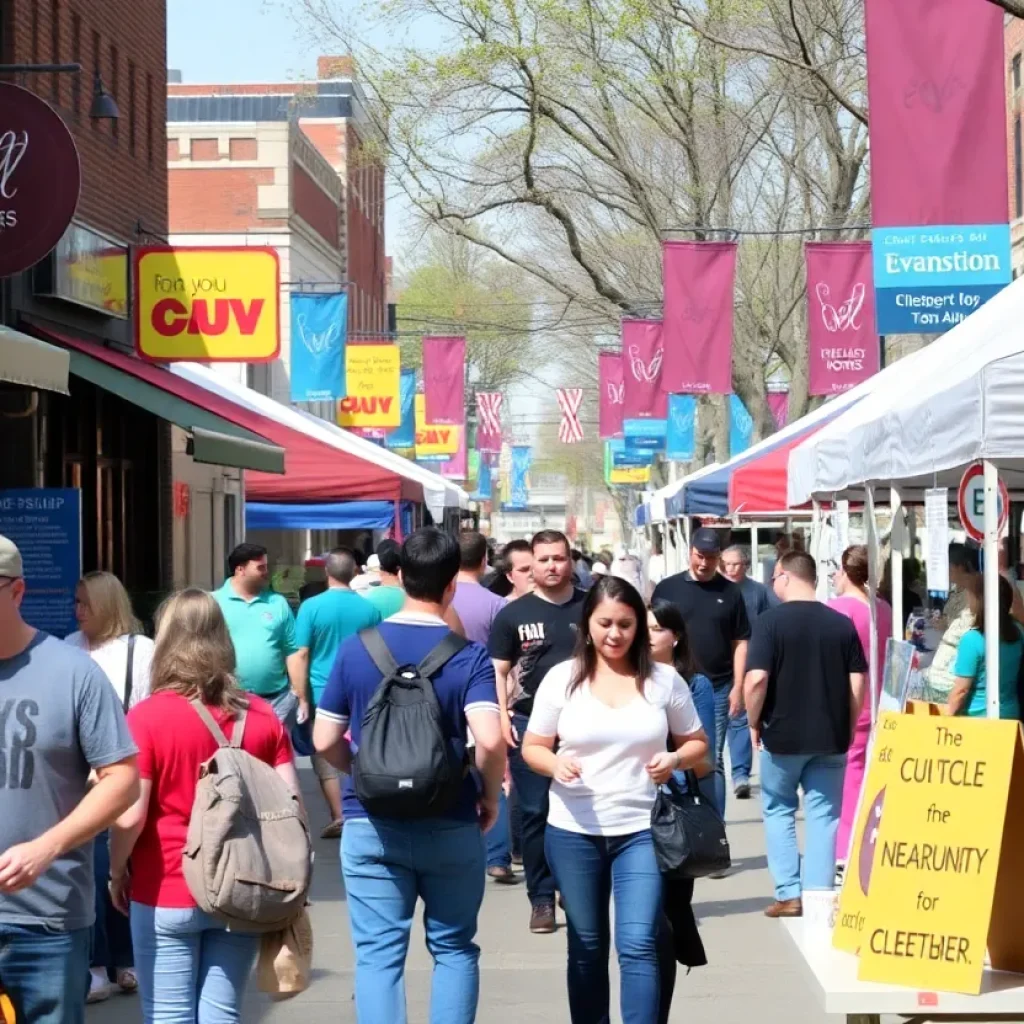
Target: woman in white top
{"points": [[110, 632], [608, 712]]}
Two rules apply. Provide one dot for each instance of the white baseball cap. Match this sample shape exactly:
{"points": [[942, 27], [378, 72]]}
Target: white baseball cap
{"points": [[10, 559]]}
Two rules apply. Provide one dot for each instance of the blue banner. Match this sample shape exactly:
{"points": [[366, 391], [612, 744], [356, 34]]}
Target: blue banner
{"points": [[404, 436], [46, 525], [741, 426], [483, 486], [928, 279], [319, 328], [519, 487], [682, 419], [650, 435], [624, 455]]}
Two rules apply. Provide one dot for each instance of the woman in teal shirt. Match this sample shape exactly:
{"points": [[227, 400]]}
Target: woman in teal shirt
{"points": [[969, 694]]}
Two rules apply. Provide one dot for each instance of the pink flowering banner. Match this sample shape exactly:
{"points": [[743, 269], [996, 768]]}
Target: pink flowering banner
{"points": [[643, 356], [444, 380], [613, 394]]}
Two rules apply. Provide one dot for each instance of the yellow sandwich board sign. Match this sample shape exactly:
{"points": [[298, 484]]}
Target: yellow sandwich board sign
{"points": [[939, 856]]}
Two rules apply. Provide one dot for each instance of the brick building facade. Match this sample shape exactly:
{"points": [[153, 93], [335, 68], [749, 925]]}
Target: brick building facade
{"points": [[331, 113]]}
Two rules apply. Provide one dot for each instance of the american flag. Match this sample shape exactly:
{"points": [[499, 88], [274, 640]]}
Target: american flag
{"points": [[570, 430], [488, 413]]}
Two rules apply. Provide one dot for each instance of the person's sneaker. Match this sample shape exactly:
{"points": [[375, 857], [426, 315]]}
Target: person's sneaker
{"points": [[332, 831], [100, 987], [785, 908], [542, 919], [719, 875], [503, 875], [742, 791]]}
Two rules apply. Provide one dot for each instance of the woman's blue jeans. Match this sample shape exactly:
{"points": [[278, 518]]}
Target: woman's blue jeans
{"points": [[190, 967], [590, 871], [111, 945]]}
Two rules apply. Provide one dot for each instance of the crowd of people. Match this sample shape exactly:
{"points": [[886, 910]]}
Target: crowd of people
{"points": [[558, 699]]}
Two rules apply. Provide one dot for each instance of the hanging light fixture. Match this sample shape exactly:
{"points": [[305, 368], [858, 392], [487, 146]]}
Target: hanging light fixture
{"points": [[104, 106]]}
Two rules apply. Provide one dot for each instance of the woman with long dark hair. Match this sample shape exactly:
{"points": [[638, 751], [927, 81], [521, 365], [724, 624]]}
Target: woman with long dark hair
{"points": [[970, 688], [608, 711], [670, 645]]}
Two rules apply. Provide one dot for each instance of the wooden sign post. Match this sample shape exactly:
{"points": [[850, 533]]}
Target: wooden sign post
{"points": [[934, 876]]}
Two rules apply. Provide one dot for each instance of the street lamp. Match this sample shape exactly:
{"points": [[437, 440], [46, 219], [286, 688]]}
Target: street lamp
{"points": [[103, 107]]}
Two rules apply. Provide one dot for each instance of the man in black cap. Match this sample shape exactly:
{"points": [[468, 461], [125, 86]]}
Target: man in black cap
{"points": [[718, 630]]}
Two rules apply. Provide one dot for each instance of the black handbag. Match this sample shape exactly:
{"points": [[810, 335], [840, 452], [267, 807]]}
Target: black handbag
{"points": [[688, 833]]}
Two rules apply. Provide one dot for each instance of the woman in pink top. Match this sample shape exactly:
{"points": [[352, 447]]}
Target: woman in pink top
{"points": [[851, 585]]}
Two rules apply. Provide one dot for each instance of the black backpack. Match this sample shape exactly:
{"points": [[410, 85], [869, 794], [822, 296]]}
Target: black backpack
{"points": [[405, 766]]}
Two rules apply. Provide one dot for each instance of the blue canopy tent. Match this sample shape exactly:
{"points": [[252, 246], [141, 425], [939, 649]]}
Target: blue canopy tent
{"points": [[328, 515]]}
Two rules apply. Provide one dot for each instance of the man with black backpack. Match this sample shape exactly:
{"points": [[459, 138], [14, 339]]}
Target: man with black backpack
{"points": [[414, 817]]}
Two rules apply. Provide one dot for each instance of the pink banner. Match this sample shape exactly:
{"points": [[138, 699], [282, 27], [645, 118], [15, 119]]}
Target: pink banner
{"points": [[778, 402], [937, 103], [444, 380], [840, 316], [456, 468], [612, 386], [488, 420], [643, 356], [698, 284]]}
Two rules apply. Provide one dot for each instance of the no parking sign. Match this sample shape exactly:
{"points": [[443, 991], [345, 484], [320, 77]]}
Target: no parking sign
{"points": [[970, 502]]}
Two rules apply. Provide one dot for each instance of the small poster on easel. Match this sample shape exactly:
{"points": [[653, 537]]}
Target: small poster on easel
{"points": [[899, 667]]}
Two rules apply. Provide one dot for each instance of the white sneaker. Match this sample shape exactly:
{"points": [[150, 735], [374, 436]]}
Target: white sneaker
{"points": [[100, 986]]}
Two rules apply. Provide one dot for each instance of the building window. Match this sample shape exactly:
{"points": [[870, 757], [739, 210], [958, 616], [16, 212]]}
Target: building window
{"points": [[1018, 170], [76, 56], [1015, 70], [114, 82], [55, 49], [131, 108]]}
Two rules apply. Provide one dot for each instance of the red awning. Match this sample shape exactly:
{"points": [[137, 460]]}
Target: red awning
{"points": [[314, 470], [760, 485]]}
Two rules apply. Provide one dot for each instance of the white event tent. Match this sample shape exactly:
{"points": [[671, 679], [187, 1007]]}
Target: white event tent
{"points": [[956, 401]]}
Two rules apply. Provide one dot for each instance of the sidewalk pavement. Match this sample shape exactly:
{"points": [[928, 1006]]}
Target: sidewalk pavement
{"points": [[754, 973]]}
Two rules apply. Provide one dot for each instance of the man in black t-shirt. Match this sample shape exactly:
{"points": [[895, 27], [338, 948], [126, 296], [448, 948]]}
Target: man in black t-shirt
{"points": [[534, 633], [804, 688], [718, 630]]}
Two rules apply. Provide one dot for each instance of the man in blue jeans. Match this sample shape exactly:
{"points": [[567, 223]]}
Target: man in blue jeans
{"points": [[536, 632], [59, 718], [804, 687], [389, 863], [757, 599]]}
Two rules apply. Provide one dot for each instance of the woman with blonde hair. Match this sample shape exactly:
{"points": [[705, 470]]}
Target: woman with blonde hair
{"points": [[112, 636], [191, 968]]}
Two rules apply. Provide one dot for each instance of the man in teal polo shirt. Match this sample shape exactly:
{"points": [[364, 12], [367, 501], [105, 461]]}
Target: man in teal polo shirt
{"points": [[262, 629], [321, 625]]}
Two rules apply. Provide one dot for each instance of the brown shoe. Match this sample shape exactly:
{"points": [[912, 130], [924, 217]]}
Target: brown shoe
{"points": [[785, 908], [503, 875], [542, 920]]}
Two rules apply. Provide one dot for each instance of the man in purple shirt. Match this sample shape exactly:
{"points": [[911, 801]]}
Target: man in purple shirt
{"points": [[477, 607]]}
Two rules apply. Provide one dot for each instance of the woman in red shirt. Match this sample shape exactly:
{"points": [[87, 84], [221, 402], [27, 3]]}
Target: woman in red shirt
{"points": [[191, 969]]}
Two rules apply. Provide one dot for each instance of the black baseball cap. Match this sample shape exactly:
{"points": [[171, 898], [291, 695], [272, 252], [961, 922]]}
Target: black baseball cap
{"points": [[706, 541]]}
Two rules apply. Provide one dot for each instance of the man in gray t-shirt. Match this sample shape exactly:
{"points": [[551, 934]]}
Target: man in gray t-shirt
{"points": [[59, 718]]}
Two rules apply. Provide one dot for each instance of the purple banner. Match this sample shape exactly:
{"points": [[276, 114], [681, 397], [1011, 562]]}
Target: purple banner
{"points": [[698, 284], [643, 355], [613, 388], [444, 380], [840, 316], [488, 420], [937, 102]]}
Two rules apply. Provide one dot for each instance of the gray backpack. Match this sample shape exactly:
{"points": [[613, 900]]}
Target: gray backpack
{"points": [[248, 856]]}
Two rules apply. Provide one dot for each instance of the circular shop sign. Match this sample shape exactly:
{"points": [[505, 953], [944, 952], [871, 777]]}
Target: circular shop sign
{"points": [[970, 501], [40, 178]]}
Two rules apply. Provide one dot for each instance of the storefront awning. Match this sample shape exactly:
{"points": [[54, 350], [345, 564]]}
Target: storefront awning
{"points": [[31, 362], [215, 440], [337, 515]]}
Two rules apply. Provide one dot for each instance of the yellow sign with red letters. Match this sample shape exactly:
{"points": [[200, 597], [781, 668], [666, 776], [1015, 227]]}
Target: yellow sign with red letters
{"points": [[207, 304], [434, 441], [373, 376]]}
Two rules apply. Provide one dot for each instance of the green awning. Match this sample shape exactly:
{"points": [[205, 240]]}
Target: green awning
{"points": [[214, 440]]}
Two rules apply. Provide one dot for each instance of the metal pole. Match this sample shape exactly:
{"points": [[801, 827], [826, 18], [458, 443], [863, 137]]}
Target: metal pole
{"points": [[896, 545], [873, 666], [881, 351], [991, 569], [754, 559]]}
